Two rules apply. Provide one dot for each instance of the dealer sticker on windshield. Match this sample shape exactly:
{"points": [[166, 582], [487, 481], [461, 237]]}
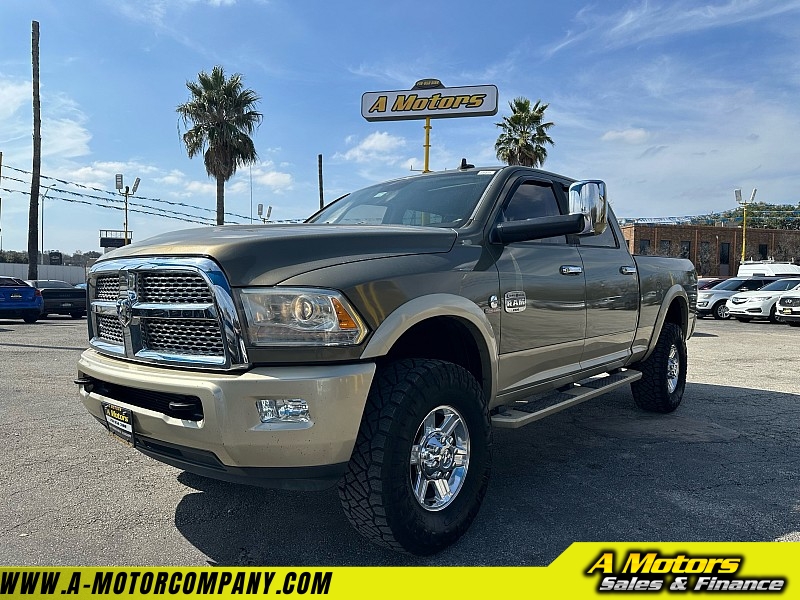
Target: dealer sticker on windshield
{"points": [[119, 421]]}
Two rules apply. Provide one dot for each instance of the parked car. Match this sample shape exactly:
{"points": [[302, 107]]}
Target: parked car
{"points": [[713, 301], [18, 300], [704, 283], [61, 298], [788, 309], [760, 304]]}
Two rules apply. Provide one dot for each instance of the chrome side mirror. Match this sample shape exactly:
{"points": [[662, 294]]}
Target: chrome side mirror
{"points": [[589, 199]]}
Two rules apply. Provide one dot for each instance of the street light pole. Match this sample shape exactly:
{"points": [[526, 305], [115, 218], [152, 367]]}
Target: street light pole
{"points": [[47, 191], [738, 194], [126, 191]]}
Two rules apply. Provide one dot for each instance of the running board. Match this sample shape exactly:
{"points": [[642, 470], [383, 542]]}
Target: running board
{"points": [[521, 413]]}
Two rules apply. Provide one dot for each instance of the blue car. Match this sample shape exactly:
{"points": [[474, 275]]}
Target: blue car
{"points": [[18, 300]]}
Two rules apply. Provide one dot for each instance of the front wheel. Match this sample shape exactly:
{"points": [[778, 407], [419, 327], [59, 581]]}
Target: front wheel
{"points": [[720, 311], [421, 464], [773, 314], [663, 373]]}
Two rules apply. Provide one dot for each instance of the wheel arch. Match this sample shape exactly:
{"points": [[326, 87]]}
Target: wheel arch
{"points": [[674, 309], [444, 327]]}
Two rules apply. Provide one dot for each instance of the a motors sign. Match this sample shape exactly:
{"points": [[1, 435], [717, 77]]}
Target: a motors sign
{"points": [[436, 103]]}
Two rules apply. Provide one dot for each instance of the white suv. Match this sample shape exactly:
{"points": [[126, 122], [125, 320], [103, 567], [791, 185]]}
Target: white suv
{"points": [[760, 304], [713, 300]]}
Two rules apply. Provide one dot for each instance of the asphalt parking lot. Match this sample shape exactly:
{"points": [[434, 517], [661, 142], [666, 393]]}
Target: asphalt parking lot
{"points": [[723, 467]]}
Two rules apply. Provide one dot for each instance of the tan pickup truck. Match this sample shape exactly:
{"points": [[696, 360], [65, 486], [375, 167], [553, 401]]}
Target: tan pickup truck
{"points": [[375, 346]]}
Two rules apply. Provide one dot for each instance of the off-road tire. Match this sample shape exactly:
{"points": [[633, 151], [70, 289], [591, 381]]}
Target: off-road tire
{"points": [[720, 311], [377, 493], [661, 388]]}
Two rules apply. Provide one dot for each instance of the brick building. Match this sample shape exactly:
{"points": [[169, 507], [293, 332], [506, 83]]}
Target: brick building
{"points": [[715, 250]]}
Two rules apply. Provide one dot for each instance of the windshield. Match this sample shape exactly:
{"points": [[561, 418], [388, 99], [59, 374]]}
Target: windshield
{"points": [[782, 285], [437, 200], [728, 284]]}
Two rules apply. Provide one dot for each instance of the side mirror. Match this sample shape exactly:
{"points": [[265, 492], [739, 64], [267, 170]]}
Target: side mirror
{"points": [[588, 198]]}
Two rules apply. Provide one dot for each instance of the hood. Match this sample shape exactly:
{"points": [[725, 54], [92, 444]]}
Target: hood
{"points": [[269, 254]]}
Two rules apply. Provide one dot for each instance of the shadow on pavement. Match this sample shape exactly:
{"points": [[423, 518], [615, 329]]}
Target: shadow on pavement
{"points": [[723, 467]]}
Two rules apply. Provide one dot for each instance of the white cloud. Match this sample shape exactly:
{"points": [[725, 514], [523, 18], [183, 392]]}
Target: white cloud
{"points": [[13, 95], [652, 20], [380, 146], [629, 136]]}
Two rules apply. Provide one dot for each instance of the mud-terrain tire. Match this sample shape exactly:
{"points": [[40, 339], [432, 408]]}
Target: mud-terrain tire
{"points": [[663, 373], [422, 459]]}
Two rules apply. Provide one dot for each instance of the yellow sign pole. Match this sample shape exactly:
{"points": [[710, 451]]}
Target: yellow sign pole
{"points": [[427, 145]]}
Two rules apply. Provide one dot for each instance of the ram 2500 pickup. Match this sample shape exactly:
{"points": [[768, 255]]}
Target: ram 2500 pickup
{"points": [[376, 345]]}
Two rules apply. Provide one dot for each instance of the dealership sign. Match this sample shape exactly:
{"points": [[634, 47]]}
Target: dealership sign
{"points": [[430, 99]]}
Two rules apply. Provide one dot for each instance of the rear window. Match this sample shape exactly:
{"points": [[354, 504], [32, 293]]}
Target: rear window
{"points": [[53, 283], [11, 282]]}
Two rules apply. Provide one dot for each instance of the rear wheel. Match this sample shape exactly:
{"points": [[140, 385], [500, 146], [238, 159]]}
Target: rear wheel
{"points": [[663, 373], [421, 464], [720, 311], [76, 315], [794, 323], [30, 318]]}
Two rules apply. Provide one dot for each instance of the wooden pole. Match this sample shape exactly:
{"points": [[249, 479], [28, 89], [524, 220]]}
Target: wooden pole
{"points": [[319, 168]]}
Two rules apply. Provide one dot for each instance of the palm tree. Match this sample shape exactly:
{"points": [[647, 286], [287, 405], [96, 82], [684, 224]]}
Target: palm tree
{"points": [[223, 117], [524, 135]]}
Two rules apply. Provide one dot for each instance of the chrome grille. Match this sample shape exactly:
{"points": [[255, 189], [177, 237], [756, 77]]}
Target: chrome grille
{"points": [[173, 288], [108, 288], [110, 329], [165, 310], [182, 336]]}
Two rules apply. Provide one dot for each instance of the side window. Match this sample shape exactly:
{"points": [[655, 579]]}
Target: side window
{"points": [[530, 200], [607, 239]]}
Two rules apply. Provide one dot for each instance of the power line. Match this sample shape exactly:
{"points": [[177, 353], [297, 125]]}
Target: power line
{"points": [[146, 212], [112, 193]]}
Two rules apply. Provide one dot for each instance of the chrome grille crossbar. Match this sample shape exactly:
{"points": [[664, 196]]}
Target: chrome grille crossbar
{"points": [[165, 310]]}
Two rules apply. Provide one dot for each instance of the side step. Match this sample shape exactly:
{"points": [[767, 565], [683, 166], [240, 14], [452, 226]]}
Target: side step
{"points": [[527, 411]]}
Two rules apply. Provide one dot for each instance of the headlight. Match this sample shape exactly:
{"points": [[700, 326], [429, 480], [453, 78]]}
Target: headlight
{"points": [[300, 317]]}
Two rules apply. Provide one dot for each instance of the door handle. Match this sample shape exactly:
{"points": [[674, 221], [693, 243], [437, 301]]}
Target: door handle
{"points": [[627, 270], [571, 270]]}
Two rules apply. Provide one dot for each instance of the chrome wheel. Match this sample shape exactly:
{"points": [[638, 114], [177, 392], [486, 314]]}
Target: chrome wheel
{"points": [[673, 368], [439, 458]]}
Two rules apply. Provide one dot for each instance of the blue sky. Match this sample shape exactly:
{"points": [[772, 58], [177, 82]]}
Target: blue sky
{"points": [[673, 104]]}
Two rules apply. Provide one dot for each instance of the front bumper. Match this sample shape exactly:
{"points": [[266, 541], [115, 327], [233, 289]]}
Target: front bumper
{"points": [[229, 441], [788, 315]]}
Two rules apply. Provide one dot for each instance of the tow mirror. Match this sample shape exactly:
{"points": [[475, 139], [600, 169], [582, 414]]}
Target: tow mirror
{"points": [[588, 198]]}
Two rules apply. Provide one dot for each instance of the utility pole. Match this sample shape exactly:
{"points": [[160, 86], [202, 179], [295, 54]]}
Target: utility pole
{"points": [[33, 211], [319, 168]]}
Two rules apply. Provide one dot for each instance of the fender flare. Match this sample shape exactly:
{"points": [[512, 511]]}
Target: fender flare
{"points": [[673, 293], [422, 308]]}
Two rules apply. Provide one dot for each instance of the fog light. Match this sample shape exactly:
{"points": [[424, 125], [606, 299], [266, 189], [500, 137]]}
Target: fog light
{"points": [[284, 410]]}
